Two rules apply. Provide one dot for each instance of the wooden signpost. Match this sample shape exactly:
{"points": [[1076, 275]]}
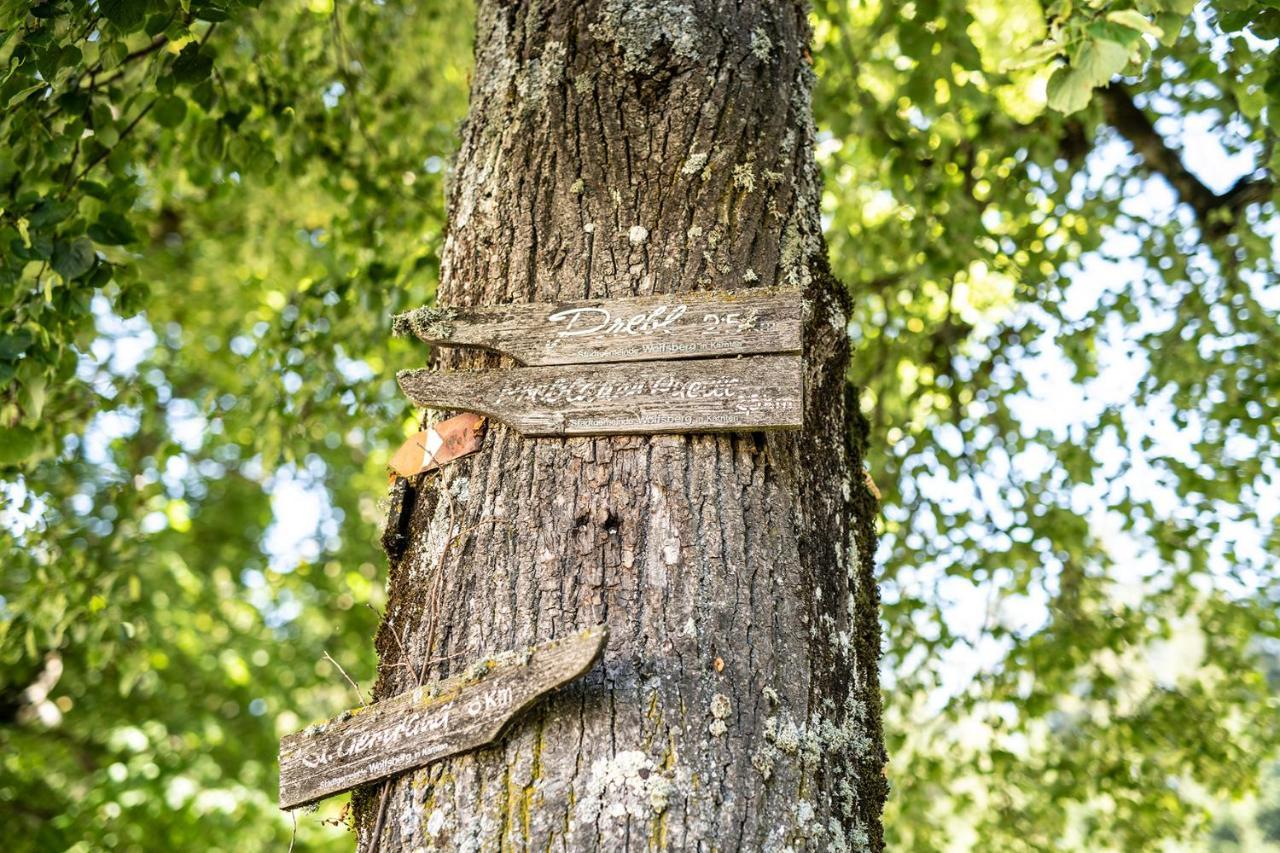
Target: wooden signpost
{"points": [[429, 723], [717, 395], [645, 328]]}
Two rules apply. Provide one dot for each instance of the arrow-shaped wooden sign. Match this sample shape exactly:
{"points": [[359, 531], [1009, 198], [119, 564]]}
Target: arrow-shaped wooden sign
{"points": [[708, 395], [429, 723], [646, 328]]}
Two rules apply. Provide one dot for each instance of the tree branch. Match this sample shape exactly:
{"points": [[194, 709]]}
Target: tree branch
{"points": [[1217, 213], [105, 153]]}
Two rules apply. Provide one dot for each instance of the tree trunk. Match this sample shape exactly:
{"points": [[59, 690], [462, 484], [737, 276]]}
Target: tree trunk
{"points": [[619, 148]]}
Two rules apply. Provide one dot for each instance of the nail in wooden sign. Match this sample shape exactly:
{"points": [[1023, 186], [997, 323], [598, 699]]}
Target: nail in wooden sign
{"points": [[432, 722], [646, 328], [446, 441], [708, 395]]}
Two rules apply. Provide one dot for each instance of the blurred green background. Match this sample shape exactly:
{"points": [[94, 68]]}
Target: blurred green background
{"points": [[209, 212]]}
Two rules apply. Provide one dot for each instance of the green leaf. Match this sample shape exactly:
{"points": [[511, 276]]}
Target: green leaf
{"points": [[133, 299], [49, 212], [112, 54], [1034, 57], [74, 259], [34, 394], [203, 94], [24, 93], [17, 444], [47, 9], [207, 11], [125, 14], [1170, 24], [157, 24], [70, 56], [14, 344], [1272, 86], [1135, 20], [169, 110], [1099, 60], [40, 248], [95, 189], [1267, 24], [192, 65], [1234, 22], [1069, 90], [1106, 31], [112, 229]]}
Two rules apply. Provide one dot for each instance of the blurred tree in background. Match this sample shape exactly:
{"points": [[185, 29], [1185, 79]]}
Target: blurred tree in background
{"points": [[1066, 325]]}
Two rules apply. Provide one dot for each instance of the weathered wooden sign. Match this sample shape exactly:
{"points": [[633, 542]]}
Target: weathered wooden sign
{"points": [[429, 723], [646, 328], [446, 441], [716, 395]]}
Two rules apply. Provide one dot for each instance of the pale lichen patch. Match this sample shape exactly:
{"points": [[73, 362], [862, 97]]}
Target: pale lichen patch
{"points": [[694, 163], [761, 45], [629, 785], [787, 738], [541, 75], [642, 29], [638, 234], [763, 759], [720, 709], [425, 322]]}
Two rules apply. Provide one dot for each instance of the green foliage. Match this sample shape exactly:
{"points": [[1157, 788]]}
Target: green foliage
{"points": [[1050, 537], [259, 229], [210, 210]]}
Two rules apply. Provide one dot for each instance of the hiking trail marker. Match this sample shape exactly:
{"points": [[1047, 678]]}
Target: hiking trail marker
{"points": [[431, 722], [441, 443], [645, 328], [703, 395]]}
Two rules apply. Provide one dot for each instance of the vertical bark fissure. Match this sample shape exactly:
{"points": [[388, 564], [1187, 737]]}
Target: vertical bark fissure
{"points": [[619, 147]]}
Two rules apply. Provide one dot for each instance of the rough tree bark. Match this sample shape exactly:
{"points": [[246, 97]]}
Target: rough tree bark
{"points": [[614, 148]]}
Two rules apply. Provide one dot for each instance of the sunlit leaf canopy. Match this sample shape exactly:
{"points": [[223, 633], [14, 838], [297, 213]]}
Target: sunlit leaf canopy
{"points": [[1059, 226]]}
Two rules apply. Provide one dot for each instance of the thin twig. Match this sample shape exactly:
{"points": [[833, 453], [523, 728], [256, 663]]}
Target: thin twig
{"points": [[107, 151], [404, 656], [382, 816], [433, 603], [354, 686], [342, 57]]}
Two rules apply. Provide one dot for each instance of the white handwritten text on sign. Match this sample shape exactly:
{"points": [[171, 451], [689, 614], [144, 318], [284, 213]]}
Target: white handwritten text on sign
{"points": [[722, 394], [690, 325], [429, 723]]}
